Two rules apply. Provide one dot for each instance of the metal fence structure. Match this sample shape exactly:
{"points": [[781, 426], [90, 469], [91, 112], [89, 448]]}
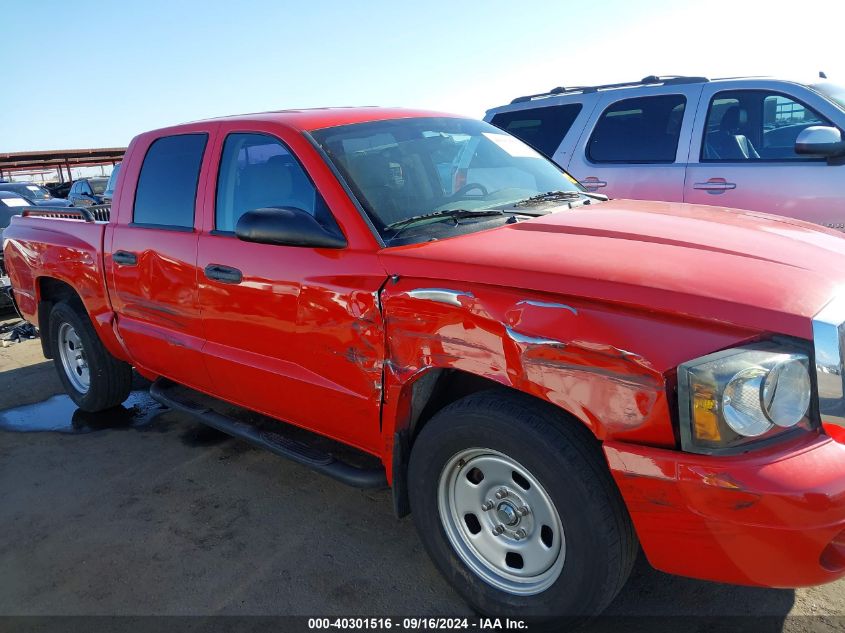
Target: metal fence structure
{"points": [[61, 160]]}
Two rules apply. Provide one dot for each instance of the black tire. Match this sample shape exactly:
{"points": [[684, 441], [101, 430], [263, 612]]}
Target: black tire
{"points": [[110, 379], [564, 457]]}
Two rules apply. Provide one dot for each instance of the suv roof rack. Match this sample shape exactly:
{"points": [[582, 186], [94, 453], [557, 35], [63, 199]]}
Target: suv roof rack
{"points": [[666, 80]]}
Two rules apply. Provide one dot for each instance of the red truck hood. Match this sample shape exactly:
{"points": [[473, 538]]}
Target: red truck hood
{"points": [[744, 268]]}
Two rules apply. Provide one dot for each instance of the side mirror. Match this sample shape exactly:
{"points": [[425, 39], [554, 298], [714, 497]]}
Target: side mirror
{"points": [[820, 140], [286, 226]]}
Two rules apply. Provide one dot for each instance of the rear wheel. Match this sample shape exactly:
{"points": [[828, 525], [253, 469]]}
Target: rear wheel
{"points": [[93, 378], [517, 509]]}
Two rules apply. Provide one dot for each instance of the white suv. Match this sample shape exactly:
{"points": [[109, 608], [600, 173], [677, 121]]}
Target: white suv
{"points": [[750, 143]]}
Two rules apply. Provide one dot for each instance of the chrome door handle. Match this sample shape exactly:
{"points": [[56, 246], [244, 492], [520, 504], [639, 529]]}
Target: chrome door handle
{"points": [[592, 183], [715, 185]]}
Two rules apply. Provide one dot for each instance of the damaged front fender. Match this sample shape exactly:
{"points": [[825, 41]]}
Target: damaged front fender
{"points": [[609, 367]]}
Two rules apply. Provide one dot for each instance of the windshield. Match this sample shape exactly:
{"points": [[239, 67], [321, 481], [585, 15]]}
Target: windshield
{"points": [[33, 192], [98, 185], [404, 168], [834, 92], [12, 202]]}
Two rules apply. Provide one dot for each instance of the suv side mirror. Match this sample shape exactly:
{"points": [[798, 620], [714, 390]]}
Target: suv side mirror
{"points": [[820, 140], [286, 226]]}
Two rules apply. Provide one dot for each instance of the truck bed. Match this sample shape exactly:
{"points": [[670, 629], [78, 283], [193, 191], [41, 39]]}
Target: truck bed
{"points": [[64, 244]]}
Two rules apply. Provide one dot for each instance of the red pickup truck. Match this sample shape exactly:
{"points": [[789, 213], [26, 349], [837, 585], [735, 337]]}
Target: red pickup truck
{"points": [[547, 379]]}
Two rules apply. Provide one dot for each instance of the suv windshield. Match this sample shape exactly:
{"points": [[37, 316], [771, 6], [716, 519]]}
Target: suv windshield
{"points": [[406, 168], [834, 92], [98, 185]]}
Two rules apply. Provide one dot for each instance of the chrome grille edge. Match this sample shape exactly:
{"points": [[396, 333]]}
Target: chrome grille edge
{"points": [[828, 329]]}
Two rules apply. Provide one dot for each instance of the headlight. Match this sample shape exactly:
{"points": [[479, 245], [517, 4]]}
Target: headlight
{"points": [[741, 395]]}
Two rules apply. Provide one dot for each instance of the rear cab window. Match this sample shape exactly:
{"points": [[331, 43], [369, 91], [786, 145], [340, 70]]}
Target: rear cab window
{"points": [[638, 130], [542, 128], [167, 185]]}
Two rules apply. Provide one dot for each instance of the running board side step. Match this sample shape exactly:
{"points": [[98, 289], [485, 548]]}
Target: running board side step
{"points": [[163, 392]]}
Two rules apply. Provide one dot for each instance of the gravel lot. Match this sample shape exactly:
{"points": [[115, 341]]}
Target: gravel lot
{"points": [[146, 512]]}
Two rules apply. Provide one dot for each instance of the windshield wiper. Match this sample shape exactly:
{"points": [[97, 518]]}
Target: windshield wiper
{"points": [[555, 196], [454, 214], [595, 196]]}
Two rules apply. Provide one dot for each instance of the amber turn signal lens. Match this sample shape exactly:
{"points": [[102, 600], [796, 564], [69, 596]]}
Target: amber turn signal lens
{"points": [[705, 422]]}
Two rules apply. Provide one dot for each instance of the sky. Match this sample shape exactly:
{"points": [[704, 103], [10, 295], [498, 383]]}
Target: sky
{"points": [[80, 74]]}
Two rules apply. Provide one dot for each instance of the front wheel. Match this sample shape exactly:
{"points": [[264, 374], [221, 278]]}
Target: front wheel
{"points": [[93, 378], [518, 510]]}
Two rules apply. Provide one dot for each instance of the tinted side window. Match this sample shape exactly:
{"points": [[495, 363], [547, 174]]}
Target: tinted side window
{"points": [[542, 128], [258, 171], [167, 186], [757, 125], [642, 130], [783, 120]]}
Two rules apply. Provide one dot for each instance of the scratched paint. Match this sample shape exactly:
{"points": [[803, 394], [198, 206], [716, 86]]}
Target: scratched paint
{"points": [[508, 339], [608, 367], [722, 519], [546, 304], [441, 295]]}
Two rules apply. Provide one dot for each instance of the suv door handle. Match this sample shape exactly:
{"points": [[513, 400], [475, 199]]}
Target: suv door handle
{"points": [[715, 185], [124, 258], [592, 183], [223, 274]]}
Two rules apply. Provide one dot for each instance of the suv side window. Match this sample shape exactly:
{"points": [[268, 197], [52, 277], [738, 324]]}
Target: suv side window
{"points": [[257, 171], [167, 186], [541, 128], [752, 125], [639, 130]]}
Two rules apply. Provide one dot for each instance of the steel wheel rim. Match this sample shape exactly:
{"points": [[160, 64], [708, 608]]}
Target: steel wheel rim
{"points": [[527, 556], [74, 360]]}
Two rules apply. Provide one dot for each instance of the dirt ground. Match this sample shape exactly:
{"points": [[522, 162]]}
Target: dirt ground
{"points": [[146, 512]]}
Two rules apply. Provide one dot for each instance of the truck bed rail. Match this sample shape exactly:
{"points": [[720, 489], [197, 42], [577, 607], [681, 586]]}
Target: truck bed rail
{"points": [[94, 213]]}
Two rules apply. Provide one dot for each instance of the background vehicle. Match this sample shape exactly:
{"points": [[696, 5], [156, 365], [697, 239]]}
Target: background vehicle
{"points": [[87, 191], [546, 379], [11, 204], [108, 194], [34, 194], [59, 189], [727, 142]]}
